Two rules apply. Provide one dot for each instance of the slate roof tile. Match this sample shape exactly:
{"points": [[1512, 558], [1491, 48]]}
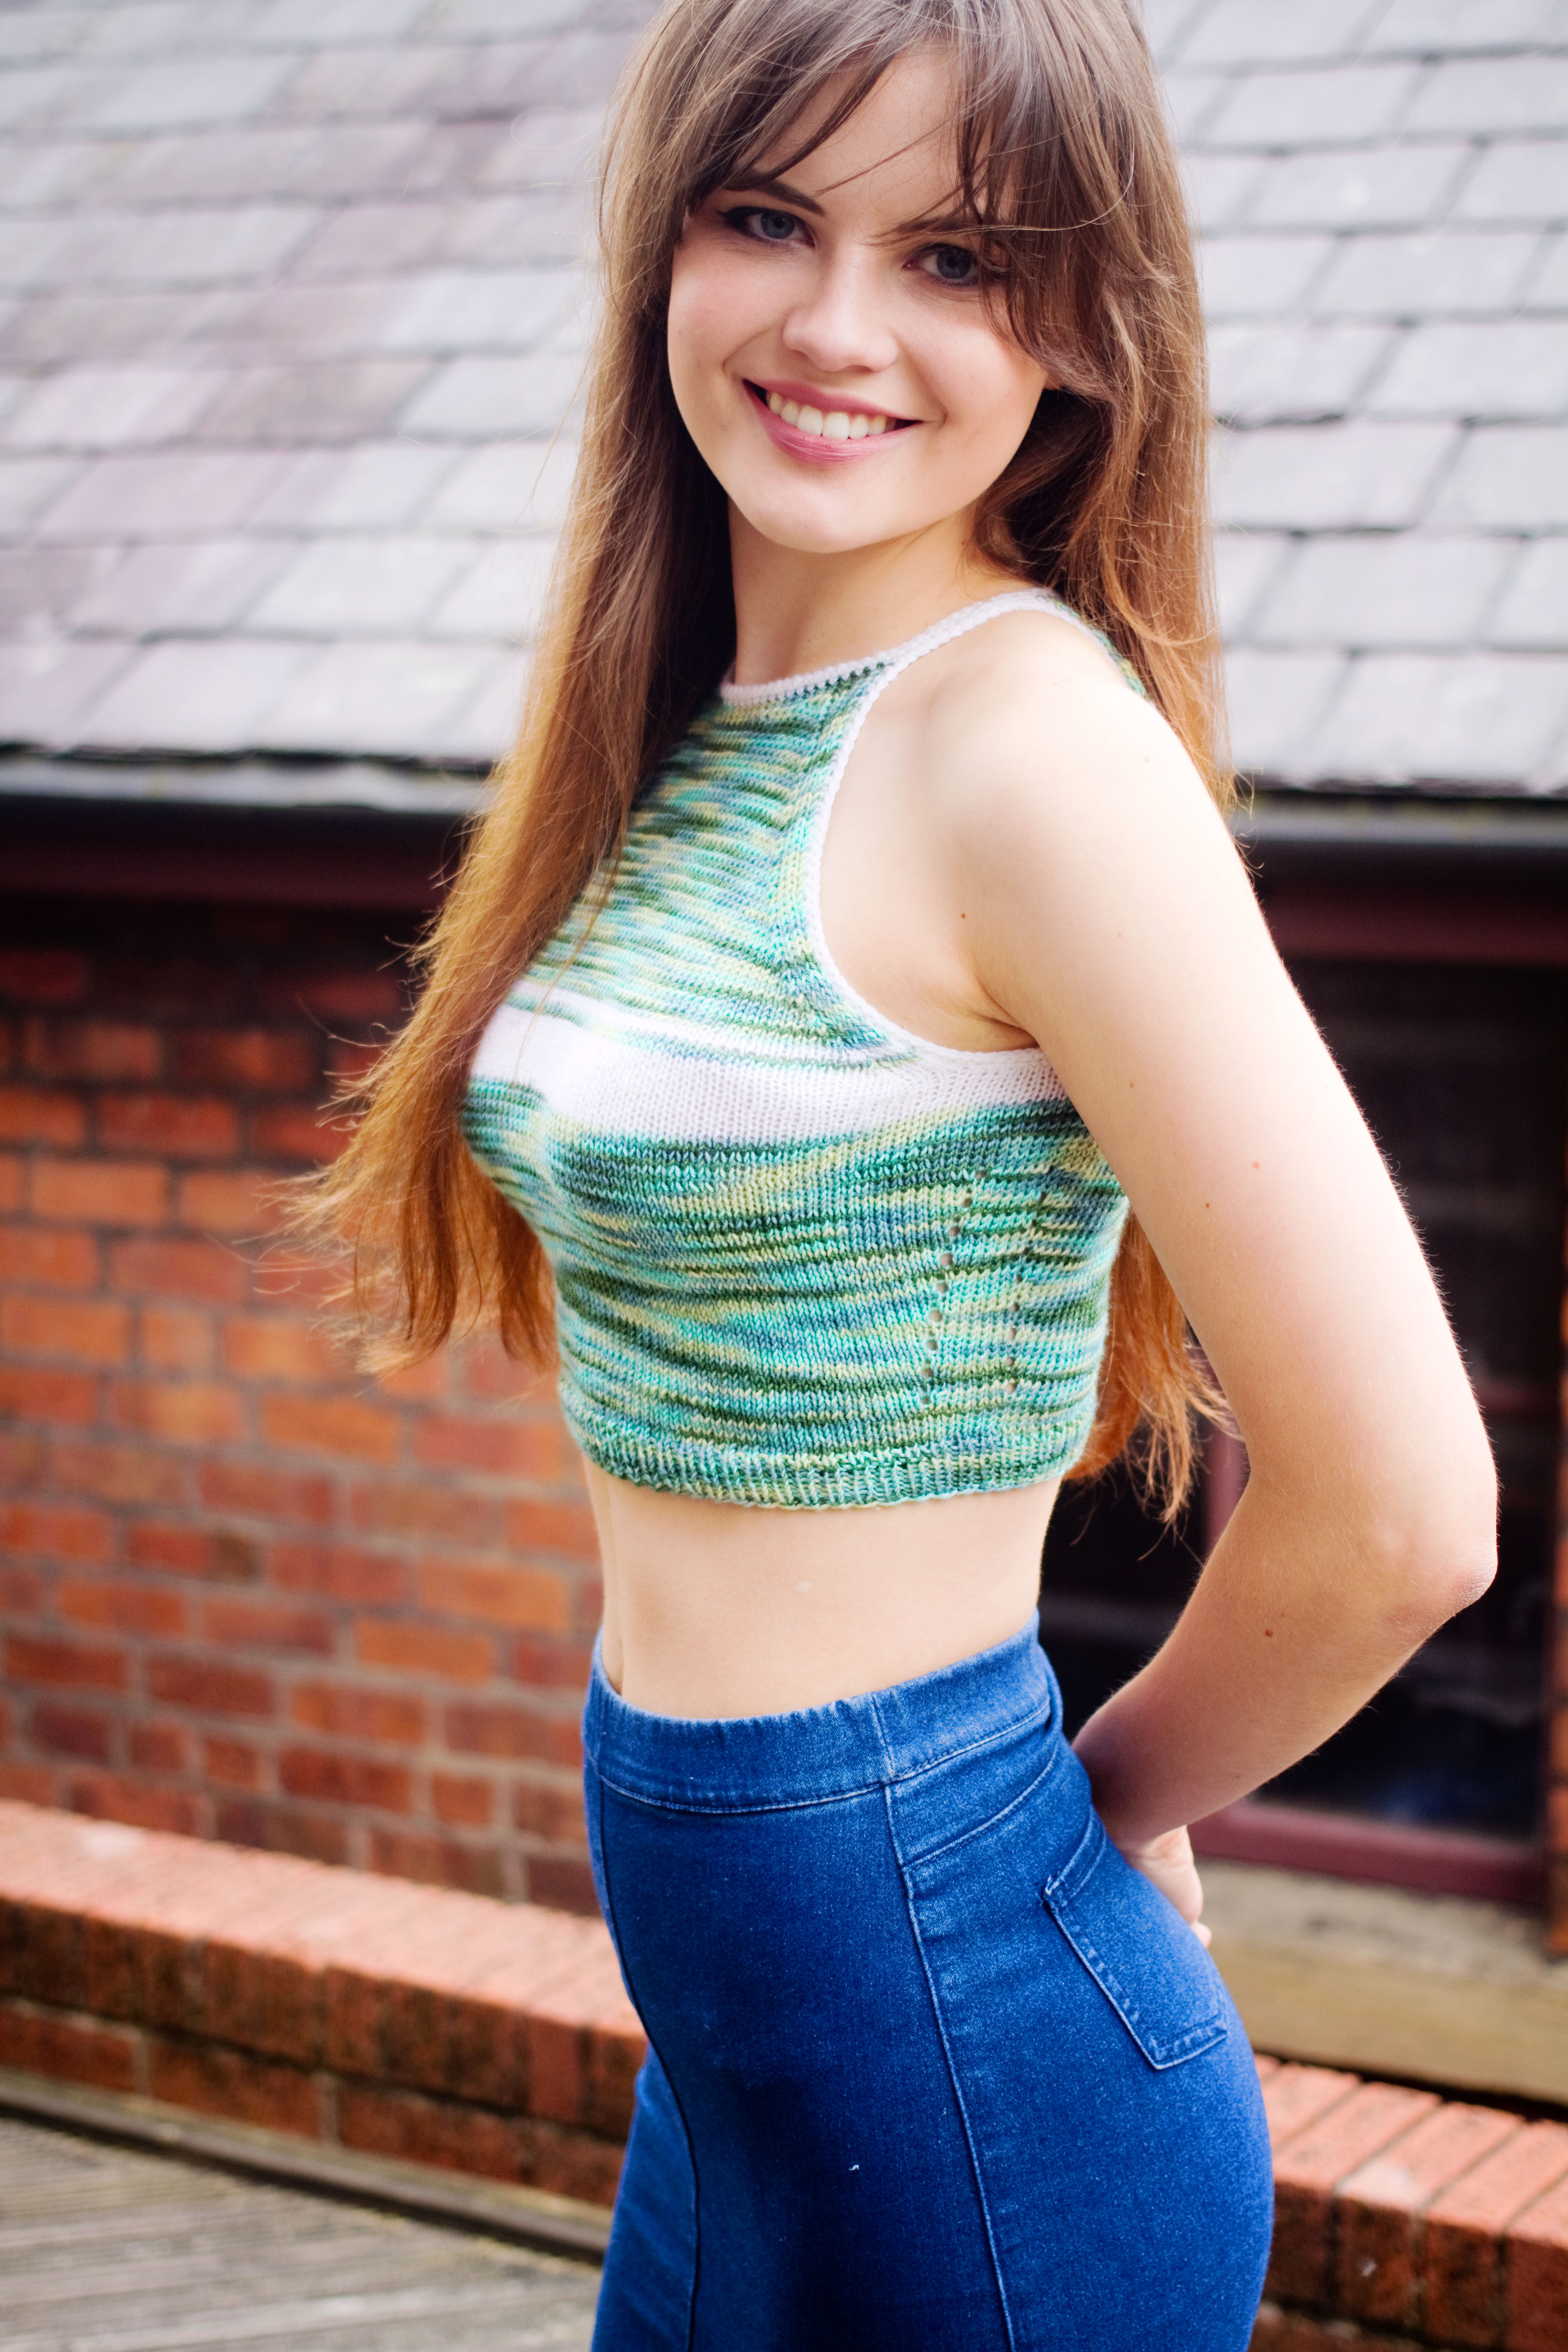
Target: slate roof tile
{"points": [[472, 730], [506, 486], [547, 146], [1277, 700], [1375, 591], [1477, 718], [473, 399], [375, 486], [382, 584], [1289, 370], [1260, 277], [162, 495], [111, 407], [300, 160], [52, 330], [1332, 477], [1220, 188], [1477, 95], [191, 695], [1245, 565], [45, 689], [177, 93], [187, 587], [29, 485], [196, 245], [1322, 106], [1454, 28], [1522, 181], [398, 698], [1272, 32], [291, 314], [1355, 187], [40, 588], [34, 95], [1518, 369], [352, 400], [501, 594], [1549, 286], [1533, 613], [291, 22], [464, 311], [1474, 275], [1508, 477]]}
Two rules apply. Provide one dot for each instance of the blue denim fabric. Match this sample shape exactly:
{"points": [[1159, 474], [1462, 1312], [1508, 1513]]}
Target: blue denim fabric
{"points": [[932, 2069]]}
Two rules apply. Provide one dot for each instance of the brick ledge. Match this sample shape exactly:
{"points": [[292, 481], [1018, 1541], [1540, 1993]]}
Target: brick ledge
{"points": [[500, 2043]]}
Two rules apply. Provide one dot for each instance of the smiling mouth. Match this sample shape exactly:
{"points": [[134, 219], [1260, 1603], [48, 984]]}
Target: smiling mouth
{"points": [[828, 423]]}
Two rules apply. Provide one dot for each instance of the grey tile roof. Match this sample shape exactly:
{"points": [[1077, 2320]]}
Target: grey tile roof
{"points": [[1383, 186], [291, 316]]}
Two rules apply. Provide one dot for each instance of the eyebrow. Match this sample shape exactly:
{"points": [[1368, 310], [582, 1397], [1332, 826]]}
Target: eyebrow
{"points": [[766, 183]]}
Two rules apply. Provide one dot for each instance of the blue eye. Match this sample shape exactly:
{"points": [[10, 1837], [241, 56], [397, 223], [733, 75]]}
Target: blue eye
{"points": [[954, 264], [776, 227]]}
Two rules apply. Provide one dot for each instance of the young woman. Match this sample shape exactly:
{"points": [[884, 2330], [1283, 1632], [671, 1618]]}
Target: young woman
{"points": [[856, 933]]}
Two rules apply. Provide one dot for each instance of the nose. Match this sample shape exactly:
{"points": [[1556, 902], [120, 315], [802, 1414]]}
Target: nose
{"points": [[840, 327]]}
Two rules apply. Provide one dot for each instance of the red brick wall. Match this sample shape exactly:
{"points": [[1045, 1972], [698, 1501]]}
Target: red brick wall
{"points": [[247, 1593]]}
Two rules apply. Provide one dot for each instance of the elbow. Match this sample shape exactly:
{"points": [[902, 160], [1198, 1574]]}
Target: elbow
{"points": [[1440, 1552]]}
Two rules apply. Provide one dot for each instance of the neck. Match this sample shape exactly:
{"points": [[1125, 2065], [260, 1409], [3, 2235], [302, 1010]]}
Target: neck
{"points": [[795, 610]]}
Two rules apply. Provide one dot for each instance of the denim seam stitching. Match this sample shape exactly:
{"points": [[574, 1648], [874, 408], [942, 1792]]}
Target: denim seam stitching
{"points": [[919, 1860], [1044, 1712], [1057, 1895], [739, 1811], [951, 2074], [674, 2093], [890, 1773]]}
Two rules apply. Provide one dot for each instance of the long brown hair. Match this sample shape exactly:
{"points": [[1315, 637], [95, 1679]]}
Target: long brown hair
{"points": [[1066, 166]]}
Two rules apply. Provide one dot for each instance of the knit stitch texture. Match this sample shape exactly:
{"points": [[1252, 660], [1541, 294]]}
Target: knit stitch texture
{"points": [[803, 1258]]}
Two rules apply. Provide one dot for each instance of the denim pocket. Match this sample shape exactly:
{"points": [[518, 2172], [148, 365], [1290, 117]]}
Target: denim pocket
{"points": [[1144, 1956]]}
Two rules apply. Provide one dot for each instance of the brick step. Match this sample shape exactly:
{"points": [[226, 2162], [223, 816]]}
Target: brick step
{"points": [[496, 2040], [404, 2021]]}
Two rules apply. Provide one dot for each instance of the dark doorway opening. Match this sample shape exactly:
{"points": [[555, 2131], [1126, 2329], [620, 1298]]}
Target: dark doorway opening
{"points": [[1462, 1073]]}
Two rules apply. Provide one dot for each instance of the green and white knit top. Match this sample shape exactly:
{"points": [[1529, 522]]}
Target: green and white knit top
{"points": [[803, 1257]]}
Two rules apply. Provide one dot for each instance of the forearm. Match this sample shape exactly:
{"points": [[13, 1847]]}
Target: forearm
{"points": [[1299, 1618]]}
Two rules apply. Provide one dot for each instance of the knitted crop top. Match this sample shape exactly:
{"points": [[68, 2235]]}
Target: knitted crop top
{"points": [[802, 1257]]}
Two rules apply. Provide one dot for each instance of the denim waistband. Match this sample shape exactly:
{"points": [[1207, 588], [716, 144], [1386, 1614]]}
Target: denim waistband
{"points": [[739, 1763]]}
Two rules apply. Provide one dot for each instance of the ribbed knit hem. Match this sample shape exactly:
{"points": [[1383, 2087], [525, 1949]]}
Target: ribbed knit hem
{"points": [[922, 1474]]}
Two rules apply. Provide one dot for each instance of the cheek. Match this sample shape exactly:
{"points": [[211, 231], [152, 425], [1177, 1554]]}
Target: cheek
{"points": [[990, 389], [712, 303]]}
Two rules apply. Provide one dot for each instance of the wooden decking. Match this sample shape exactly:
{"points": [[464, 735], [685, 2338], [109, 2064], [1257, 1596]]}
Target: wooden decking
{"points": [[105, 2249]]}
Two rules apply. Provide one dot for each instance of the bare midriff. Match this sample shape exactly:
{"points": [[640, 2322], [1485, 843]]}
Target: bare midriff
{"points": [[717, 1609]]}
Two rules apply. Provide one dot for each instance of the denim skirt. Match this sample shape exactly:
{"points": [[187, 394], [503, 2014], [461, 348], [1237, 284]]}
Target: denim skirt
{"points": [[931, 2068]]}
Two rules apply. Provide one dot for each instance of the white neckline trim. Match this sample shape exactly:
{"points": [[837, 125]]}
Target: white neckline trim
{"points": [[897, 657]]}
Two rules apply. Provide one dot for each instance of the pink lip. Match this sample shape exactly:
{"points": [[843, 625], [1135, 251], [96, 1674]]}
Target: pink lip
{"points": [[815, 448]]}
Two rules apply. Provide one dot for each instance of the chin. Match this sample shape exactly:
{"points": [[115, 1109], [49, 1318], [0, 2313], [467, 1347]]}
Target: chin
{"points": [[824, 528]]}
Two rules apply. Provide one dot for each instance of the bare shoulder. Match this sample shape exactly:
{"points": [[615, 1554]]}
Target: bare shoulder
{"points": [[1031, 733]]}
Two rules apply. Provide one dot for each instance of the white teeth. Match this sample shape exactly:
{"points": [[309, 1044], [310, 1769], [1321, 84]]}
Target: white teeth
{"points": [[834, 425]]}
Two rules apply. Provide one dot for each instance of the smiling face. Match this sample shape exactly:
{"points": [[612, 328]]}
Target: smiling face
{"points": [[831, 348]]}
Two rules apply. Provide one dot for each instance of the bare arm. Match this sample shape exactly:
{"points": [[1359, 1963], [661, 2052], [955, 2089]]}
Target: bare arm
{"points": [[1108, 915]]}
